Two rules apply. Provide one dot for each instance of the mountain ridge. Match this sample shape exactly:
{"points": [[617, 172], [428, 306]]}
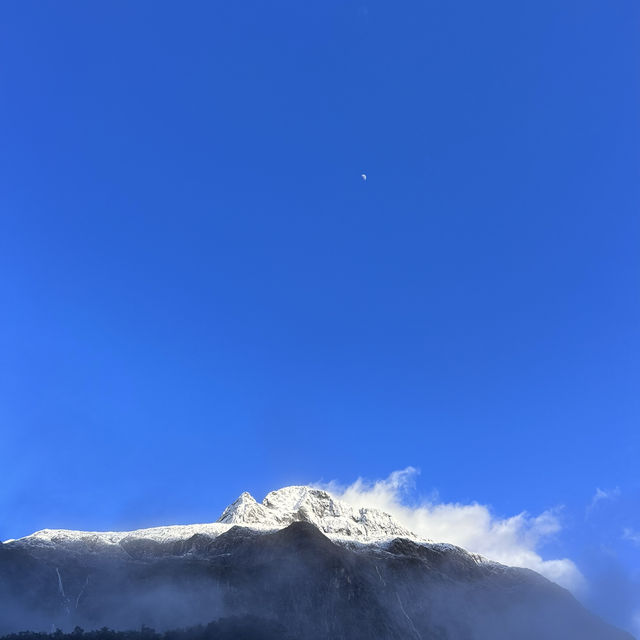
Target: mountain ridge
{"points": [[321, 568], [316, 588], [280, 508]]}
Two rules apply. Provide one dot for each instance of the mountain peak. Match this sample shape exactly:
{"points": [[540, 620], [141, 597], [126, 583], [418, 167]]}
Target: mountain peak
{"points": [[335, 518], [297, 503], [243, 509]]}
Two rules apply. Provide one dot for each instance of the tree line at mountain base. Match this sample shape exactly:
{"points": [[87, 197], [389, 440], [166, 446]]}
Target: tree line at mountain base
{"points": [[232, 628]]}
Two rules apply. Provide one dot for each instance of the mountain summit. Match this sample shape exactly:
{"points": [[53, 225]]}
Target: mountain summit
{"points": [[333, 517]]}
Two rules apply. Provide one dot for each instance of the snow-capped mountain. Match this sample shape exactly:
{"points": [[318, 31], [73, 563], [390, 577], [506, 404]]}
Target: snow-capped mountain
{"points": [[320, 568], [335, 518]]}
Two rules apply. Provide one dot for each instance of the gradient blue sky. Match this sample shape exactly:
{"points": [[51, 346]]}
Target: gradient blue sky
{"points": [[201, 296]]}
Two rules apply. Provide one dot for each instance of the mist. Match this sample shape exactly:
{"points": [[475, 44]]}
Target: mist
{"points": [[297, 578]]}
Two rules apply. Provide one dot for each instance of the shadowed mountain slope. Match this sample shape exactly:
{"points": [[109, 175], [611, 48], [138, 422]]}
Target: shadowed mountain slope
{"points": [[297, 577]]}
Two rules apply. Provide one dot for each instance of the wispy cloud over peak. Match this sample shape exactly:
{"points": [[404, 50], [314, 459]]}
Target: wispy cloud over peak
{"points": [[513, 540]]}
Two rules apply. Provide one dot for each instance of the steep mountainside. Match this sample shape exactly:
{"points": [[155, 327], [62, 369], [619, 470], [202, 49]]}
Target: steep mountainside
{"points": [[317, 567]]}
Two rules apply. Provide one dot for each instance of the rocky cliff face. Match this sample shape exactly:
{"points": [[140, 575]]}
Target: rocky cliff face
{"points": [[320, 568]]}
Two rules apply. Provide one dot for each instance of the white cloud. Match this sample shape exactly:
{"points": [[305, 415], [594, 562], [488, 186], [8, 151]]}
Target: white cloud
{"points": [[632, 535], [600, 495], [513, 541]]}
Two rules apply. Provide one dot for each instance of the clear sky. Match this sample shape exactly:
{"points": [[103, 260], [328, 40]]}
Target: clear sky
{"points": [[200, 295]]}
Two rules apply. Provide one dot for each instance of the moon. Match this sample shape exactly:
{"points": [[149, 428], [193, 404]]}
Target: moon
{"points": [[364, 177]]}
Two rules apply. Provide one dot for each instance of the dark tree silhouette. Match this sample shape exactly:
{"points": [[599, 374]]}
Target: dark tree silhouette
{"points": [[233, 628]]}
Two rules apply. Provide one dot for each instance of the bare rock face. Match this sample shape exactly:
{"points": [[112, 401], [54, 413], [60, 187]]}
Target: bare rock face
{"points": [[318, 567]]}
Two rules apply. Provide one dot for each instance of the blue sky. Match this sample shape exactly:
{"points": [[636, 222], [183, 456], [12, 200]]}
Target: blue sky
{"points": [[200, 295]]}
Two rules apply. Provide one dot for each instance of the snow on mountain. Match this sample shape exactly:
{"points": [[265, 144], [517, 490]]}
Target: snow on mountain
{"points": [[305, 504], [278, 510], [100, 539]]}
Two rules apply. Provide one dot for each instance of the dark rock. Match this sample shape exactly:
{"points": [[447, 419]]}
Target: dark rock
{"points": [[297, 578]]}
